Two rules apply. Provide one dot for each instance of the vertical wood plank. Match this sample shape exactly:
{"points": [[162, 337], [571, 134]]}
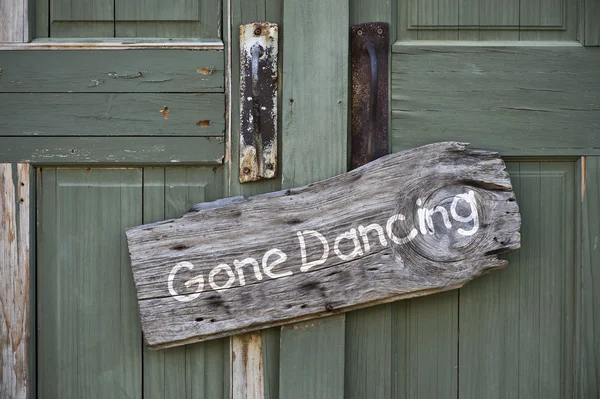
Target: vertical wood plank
{"points": [[15, 258], [265, 384], [368, 350], [516, 324], [16, 21], [89, 342], [315, 91], [314, 132], [312, 359], [368, 358], [425, 347], [591, 23], [247, 366], [587, 382], [197, 370]]}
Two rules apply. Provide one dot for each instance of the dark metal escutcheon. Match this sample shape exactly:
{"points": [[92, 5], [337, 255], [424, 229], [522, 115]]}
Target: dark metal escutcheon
{"points": [[369, 65]]}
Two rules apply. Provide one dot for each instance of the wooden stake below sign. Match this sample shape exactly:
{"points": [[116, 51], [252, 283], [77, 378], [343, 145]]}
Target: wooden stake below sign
{"points": [[408, 224]]}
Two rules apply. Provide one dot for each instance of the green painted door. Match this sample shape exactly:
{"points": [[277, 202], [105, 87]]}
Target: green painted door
{"points": [[117, 141]]}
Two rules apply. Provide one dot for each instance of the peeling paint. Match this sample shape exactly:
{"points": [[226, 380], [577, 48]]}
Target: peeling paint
{"points": [[206, 71], [165, 112], [203, 123]]}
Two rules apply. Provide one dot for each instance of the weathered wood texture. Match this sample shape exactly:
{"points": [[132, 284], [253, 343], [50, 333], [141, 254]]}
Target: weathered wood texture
{"points": [[430, 263], [112, 114], [587, 382], [487, 20], [15, 263], [89, 343], [516, 100], [112, 71], [103, 150], [247, 366], [16, 21]]}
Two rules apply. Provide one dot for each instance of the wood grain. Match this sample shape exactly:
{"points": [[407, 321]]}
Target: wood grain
{"points": [[212, 234], [15, 21], [588, 298], [112, 114], [103, 150], [14, 280], [111, 71], [516, 100]]}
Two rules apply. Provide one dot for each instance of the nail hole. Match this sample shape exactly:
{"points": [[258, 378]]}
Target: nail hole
{"points": [[72, 151], [199, 319], [246, 170], [212, 320], [302, 307]]}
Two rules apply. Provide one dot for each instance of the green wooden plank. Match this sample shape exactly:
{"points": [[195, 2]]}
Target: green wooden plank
{"points": [[306, 371], [112, 114], [425, 347], [314, 147], [368, 358], [89, 342], [242, 12], [587, 378], [516, 100], [516, 325], [156, 18], [112, 71], [590, 21], [111, 150], [192, 371], [314, 120]]}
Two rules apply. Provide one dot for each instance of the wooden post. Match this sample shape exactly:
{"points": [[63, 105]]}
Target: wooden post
{"points": [[14, 280]]}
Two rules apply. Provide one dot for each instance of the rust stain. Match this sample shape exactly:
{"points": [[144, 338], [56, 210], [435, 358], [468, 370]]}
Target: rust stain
{"points": [[583, 176], [203, 123], [165, 112], [206, 71]]}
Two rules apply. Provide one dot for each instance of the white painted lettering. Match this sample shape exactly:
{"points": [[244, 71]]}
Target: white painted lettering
{"points": [[239, 264], [198, 279], [363, 231], [470, 199], [217, 270], [268, 267], [390, 224], [305, 264], [442, 211], [349, 235]]}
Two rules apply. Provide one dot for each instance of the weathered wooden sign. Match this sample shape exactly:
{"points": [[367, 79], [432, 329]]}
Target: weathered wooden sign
{"points": [[409, 224]]}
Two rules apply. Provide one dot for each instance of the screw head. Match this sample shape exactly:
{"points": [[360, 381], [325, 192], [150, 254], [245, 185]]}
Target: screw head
{"points": [[269, 166], [246, 170], [379, 31], [359, 32], [257, 32]]}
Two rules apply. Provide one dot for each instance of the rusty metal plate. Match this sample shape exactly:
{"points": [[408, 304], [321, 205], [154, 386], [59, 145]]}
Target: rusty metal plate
{"points": [[369, 65], [258, 101]]}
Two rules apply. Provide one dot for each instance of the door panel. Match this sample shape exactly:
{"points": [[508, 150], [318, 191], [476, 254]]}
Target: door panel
{"points": [[89, 342], [192, 371], [516, 325]]}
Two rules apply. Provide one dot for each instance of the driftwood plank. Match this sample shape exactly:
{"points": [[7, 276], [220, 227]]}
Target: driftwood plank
{"points": [[409, 224], [14, 280]]}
